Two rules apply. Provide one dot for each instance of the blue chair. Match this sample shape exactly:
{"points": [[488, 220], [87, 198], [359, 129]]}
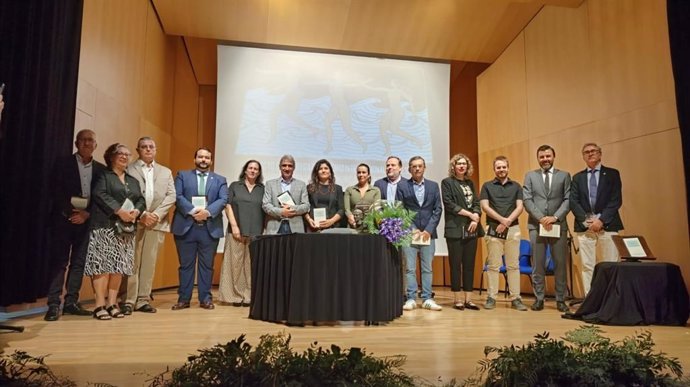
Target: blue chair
{"points": [[525, 260], [501, 270]]}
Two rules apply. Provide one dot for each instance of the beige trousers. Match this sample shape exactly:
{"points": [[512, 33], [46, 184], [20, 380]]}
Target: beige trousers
{"points": [[235, 272], [588, 242], [139, 284], [510, 247]]}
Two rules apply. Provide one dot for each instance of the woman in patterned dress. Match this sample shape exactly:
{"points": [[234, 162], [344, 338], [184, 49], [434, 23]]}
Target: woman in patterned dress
{"points": [[116, 200]]}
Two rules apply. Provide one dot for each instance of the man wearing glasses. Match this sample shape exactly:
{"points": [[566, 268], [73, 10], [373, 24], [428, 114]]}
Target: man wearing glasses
{"points": [[73, 178], [158, 186], [595, 197], [285, 200]]}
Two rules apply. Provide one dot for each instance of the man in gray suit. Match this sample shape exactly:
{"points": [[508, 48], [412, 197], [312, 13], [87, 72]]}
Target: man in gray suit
{"points": [[158, 186], [285, 218], [546, 194]]}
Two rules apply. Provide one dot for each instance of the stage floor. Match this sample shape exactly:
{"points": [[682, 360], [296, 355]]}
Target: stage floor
{"points": [[445, 344]]}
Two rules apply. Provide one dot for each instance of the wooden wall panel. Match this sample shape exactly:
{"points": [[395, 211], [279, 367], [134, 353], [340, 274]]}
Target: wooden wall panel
{"points": [[629, 51], [615, 88], [501, 99], [125, 90], [557, 70]]}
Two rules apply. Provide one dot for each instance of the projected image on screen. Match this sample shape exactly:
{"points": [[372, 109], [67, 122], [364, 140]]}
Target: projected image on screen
{"points": [[325, 115], [347, 109]]}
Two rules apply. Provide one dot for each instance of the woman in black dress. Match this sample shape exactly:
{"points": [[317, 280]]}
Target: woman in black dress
{"points": [[324, 193]]}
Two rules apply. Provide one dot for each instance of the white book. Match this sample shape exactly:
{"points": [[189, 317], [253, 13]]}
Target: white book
{"points": [[127, 205], [286, 198], [199, 202], [554, 233], [417, 239], [634, 247], [319, 215], [79, 202]]}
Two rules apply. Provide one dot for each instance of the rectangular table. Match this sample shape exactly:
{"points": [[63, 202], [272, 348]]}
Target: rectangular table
{"points": [[635, 293], [325, 277]]}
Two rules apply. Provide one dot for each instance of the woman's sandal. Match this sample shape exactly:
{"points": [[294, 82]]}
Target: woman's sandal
{"points": [[101, 313], [115, 312], [459, 306]]}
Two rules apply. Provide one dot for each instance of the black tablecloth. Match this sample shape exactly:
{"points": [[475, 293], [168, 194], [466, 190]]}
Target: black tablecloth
{"points": [[633, 293], [325, 277]]}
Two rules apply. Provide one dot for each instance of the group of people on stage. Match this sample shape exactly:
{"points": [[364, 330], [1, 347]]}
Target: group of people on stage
{"points": [[109, 222]]}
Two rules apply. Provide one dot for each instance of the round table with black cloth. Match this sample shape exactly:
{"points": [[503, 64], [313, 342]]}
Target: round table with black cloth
{"points": [[635, 293], [325, 277]]}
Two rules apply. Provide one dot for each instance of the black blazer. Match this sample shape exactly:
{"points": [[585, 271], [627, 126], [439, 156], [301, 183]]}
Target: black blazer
{"points": [[109, 193], [67, 183], [609, 199], [453, 202]]}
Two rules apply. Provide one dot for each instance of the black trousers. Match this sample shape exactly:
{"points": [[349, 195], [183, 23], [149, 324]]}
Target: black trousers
{"points": [[68, 246], [461, 256]]}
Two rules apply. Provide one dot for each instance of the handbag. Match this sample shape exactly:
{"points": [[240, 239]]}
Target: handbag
{"points": [[124, 227]]}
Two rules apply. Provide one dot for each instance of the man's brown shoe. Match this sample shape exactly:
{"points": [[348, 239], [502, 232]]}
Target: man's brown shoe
{"points": [[207, 305], [180, 305]]}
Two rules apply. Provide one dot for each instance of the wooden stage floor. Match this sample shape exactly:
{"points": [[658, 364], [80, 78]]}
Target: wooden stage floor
{"points": [[445, 344]]}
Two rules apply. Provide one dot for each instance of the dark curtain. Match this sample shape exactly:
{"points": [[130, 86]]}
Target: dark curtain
{"points": [[39, 62], [679, 37]]}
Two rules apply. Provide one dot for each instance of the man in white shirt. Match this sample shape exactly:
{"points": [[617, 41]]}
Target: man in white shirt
{"points": [[158, 187]]}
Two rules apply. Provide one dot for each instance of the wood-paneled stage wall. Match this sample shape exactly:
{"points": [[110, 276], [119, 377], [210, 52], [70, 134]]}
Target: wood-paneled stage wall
{"points": [[600, 72]]}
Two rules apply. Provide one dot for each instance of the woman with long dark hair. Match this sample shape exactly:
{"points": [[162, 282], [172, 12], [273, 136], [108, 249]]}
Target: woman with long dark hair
{"points": [[324, 194]]}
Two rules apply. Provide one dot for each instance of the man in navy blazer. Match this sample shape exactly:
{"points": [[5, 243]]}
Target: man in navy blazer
{"points": [[198, 227], [73, 177], [595, 197], [389, 184], [422, 196]]}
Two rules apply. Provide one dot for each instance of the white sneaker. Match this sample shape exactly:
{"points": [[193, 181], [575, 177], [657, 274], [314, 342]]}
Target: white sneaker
{"points": [[431, 305], [409, 305]]}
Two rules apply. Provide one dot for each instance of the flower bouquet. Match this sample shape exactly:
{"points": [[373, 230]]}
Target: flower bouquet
{"points": [[392, 221]]}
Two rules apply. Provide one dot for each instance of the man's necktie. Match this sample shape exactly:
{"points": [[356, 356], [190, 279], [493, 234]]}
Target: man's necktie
{"points": [[547, 183], [592, 188], [202, 183]]}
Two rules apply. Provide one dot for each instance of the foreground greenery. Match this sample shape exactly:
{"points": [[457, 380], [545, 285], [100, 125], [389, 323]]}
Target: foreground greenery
{"points": [[274, 363], [584, 357]]}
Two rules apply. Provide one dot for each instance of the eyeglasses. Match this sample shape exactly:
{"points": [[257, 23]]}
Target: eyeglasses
{"points": [[147, 147], [287, 165], [125, 154], [590, 151]]}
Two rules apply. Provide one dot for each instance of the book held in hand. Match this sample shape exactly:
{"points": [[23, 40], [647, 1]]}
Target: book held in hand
{"points": [[554, 233], [492, 232], [467, 234], [199, 202], [319, 215], [286, 198]]}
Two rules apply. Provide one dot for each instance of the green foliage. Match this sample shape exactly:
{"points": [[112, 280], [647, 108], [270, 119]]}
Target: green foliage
{"points": [[582, 358], [22, 369], [381, 210], [273, 363]]}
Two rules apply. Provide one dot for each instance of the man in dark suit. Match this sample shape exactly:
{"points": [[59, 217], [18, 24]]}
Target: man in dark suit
{"points": [[595, 197], [422, 196], [546, 196], [198, 226], [389, 184], [73, 177]]}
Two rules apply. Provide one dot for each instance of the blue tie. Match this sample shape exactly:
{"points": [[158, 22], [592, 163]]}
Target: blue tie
{"points": [[202, 184], [593, 188]]}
